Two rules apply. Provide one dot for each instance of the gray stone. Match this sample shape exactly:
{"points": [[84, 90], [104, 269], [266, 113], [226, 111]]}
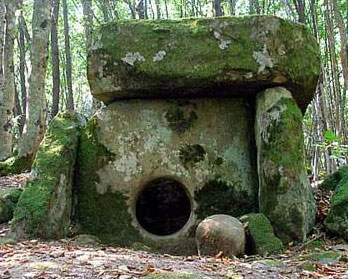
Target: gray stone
{"points": [[205, 144], [220, 233], [285, 195], [44, 208], [202, 57]]}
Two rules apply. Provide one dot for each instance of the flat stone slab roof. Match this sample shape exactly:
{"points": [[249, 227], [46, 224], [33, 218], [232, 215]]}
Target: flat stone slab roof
{"points": [[224, 56]]}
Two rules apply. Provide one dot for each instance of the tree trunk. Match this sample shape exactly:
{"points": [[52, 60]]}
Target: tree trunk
{"points": [[70, 97], [217, 8], [55, 59], [22, 69], [7, 83], [232, 7], [35, 124], [158, 9]]}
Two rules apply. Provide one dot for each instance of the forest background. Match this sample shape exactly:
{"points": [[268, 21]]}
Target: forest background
{"points": [[43, 51]]}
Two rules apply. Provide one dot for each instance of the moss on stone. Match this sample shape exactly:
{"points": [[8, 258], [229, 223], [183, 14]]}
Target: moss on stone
{"points": [[337, 220], [15, 165], [219, 197], [103, 215], [245, 53], [331, 182], [191, 154], [44, 207], [260, 235], [177, 120], [323, 257], [8, 202]]}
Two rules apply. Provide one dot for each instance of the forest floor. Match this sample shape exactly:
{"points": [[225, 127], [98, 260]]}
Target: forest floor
{"points": [[320, 257]]}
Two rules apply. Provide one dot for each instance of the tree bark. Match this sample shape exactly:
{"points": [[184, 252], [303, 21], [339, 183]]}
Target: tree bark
{"points": [[35, 124], [217, 8], [7, 83], [55, 59], [70, 97], [22, 70]]}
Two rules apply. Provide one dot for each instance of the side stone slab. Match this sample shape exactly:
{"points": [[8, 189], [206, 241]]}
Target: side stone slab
{"points": [[285, 196], [44, 208]]}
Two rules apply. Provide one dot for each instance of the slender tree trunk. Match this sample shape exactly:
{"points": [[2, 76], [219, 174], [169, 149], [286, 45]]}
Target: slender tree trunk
{"points": [[36, 113], [233, 4], [55, 59], [158, 9], [70, 97], [7, 84], [300, 8], [140, 9], [22, 70], [217, 8]]}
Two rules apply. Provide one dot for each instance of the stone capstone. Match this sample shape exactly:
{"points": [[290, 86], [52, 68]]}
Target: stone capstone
{"points": [[337, 220], [203, 57], [44, 208], [260, 235], [220, 233], [285, 195]]}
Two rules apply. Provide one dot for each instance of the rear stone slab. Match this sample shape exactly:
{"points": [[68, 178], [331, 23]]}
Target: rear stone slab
{"points": [[285, 195], [202, 57]]}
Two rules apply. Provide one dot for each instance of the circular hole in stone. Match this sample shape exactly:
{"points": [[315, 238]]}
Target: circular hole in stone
{"points": [[163, 207]]}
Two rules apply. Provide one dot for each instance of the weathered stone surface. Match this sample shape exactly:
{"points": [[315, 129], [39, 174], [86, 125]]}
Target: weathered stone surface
{"points": [[8, 201], [285, 195], [260, 236], [205, 144], [337, 219], [45, 205], [202, 57], [331, 182], [220, 233]]}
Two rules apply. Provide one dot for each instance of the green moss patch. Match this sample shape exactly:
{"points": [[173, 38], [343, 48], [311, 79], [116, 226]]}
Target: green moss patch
{"points": [[219, 197], [15, 165], [178, 121], [191, 154], [8, 202], [337, 220], [173, 275], [260, 235], [331, 182]]}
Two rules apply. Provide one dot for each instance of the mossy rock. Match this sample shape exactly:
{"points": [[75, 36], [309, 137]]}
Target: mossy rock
{"points": [[15, 165], [260, 235], [285, 194], [44, 208], [86, 239], [337, 220], [174, 275], [322, 257], [8, 201], [331, 182], [202, 57]]}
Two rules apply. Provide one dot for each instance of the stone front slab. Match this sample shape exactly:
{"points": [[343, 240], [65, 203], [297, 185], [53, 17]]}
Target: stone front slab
{"points": [[202, 57], [205, 144]]}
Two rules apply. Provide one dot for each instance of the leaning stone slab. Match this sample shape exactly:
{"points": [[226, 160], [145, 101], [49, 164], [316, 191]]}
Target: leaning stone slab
{"points": [[260, 235], [337, 220], [45, 205], [202, 57], [285, 196]]}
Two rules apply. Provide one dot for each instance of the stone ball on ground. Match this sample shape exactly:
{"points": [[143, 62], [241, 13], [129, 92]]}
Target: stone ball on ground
{"points": [[220, 233]]}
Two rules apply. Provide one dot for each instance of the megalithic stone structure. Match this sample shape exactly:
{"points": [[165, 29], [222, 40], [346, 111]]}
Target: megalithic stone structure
{"points": [[202, 117]]}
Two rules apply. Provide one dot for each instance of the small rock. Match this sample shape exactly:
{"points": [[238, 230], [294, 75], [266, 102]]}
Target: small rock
{"points": [[220, 233]]}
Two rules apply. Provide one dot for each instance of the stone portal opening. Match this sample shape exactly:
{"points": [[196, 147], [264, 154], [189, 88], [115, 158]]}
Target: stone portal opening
{"points": [[163, 207]]}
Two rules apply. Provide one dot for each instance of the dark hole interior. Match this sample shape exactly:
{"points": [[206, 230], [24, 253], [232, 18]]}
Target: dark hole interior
{"points": [[163, 207]]}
